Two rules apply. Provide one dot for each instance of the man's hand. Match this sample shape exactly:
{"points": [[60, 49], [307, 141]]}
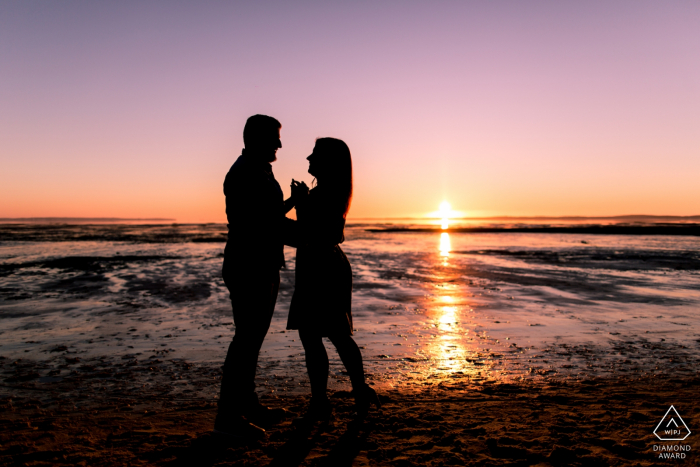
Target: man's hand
{"points": [[299, 190]]}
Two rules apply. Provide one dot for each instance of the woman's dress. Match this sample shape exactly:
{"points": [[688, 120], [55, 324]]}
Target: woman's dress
{"points": [[323, 278]]}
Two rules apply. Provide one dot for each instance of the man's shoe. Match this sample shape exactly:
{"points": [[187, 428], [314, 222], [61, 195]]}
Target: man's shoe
{"points": [[237, 427], [266, 416], [319, 410]]}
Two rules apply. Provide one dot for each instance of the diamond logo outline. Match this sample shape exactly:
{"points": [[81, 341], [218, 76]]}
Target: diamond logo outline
{"points": [[669, 422]]}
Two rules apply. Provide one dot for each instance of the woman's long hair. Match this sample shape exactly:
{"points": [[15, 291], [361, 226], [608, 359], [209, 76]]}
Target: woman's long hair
{"points": [[339, 163]]}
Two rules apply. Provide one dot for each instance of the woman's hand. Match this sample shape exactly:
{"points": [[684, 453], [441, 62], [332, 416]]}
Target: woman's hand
{"points": [[299, 190]]}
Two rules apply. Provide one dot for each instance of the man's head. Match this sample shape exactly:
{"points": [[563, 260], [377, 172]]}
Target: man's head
{"points": [[261, 137]]}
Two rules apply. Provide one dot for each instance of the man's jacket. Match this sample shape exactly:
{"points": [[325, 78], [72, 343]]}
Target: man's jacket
{"points": [[256, 220]]}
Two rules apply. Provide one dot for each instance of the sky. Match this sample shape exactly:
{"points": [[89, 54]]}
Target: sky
{"points": [[502, 108]]}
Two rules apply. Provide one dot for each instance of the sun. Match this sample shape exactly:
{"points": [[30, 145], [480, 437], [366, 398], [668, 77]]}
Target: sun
{"points": [[445, 211], [446, 214]]}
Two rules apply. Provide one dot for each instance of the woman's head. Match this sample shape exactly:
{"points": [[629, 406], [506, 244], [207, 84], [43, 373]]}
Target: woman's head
{"points": [[331, 164]]}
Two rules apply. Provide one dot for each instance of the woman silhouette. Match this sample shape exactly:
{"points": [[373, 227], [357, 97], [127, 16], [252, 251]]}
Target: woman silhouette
{"points": [[321, 302]]}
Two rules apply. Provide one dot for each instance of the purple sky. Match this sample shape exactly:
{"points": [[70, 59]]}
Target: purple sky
{"points": [[136, 109]]}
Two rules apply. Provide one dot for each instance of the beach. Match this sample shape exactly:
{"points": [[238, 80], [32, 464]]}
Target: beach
{"points": [[596, 422], [513, 184], [487, 347]]}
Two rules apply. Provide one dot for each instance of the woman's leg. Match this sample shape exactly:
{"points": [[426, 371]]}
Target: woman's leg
{"points": [[350, 354], [316, 364]]}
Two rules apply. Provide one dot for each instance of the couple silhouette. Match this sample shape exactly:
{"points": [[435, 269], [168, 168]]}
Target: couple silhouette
{"points": [[258, 229]]}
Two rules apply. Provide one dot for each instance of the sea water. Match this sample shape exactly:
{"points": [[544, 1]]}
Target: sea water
{"points": [[429, 308]]}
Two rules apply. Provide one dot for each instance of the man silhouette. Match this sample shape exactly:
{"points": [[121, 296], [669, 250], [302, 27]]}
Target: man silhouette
{"points": [[254, 254]]}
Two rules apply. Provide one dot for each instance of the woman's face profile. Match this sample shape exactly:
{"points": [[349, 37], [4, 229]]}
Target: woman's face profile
{"points": [[315, 162]]}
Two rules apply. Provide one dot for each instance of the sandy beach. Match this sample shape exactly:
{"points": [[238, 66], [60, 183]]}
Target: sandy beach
{"points": [[597, 422]]}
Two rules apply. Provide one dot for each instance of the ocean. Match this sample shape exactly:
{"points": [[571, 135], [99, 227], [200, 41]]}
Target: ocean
{"points": [[142, 308]]}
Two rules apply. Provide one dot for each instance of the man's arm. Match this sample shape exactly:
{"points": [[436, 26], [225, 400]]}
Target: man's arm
{"points": [[247, 204], [289, 204], [290, 232]]}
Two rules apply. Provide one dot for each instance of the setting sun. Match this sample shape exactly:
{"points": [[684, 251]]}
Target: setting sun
{"points": [[445, 209]]}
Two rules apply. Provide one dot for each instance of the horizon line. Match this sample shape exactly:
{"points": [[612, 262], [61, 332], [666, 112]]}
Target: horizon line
{"points": [[414, 218], [622, 216], [86, 218]]}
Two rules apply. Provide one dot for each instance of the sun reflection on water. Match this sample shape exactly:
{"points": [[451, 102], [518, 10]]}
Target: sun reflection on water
{"points": [[445, 246], [448, 317], [447, 349]]}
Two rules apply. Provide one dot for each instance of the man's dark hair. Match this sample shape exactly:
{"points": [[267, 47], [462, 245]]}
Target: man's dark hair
{"points": [[258, 127]]}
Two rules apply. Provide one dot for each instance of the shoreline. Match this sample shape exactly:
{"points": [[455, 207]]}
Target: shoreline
{"points": [[218, 233]]}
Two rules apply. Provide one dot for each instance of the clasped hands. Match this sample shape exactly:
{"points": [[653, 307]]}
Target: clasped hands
{"points": [[299, 190]]}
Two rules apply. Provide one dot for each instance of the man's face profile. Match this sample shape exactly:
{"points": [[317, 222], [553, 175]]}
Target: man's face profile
{"points": [[268, 144], [275, 143]]}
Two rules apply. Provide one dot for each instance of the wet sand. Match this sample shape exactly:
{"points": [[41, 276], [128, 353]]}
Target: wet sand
{"points": [[600, 324]]}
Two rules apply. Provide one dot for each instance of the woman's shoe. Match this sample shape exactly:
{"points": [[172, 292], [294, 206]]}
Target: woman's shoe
{"points": [[318, 411], [237, 427], [364, 399]]}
